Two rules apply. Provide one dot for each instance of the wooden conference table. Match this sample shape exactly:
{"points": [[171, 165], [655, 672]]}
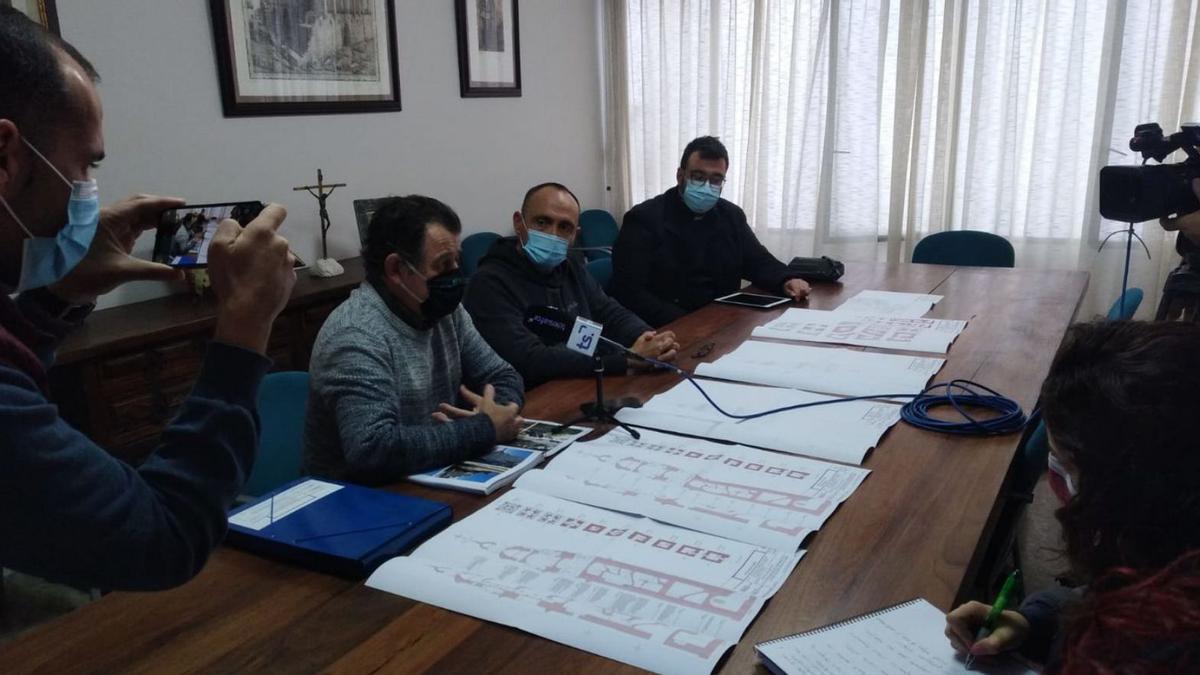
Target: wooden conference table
{"points": [[917, 527]]}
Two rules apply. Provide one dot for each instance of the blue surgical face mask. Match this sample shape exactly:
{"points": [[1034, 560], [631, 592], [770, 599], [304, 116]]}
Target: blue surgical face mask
{"points": [[700, 196], [546, 251], [45, 260]]}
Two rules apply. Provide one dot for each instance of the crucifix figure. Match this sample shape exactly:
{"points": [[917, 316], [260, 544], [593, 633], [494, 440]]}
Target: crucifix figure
{"points": [[324, 267]]}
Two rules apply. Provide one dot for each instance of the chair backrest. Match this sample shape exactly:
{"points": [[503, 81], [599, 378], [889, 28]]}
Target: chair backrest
{"points": [[1035, 450], [601, 270], [968, 248], [1123, 311], [282, 400], [474, 247], [597, 227]]}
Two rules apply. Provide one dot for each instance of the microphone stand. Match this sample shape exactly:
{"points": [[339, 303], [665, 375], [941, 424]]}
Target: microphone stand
{"points": [[601, 411]]}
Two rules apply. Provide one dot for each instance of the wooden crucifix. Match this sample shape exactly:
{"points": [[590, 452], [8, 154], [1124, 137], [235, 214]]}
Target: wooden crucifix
{"points": [[322, 191]]}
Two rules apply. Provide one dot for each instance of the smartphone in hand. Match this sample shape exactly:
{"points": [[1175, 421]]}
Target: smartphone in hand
{"points": [[184, 234]]}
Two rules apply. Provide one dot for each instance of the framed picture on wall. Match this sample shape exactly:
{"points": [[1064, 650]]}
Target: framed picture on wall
{"points": [[305, 57], [41, 11], [489, 48]]}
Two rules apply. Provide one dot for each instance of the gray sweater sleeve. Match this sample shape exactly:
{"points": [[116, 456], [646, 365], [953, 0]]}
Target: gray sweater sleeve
{"points": [[482, 365], [379, 447]]}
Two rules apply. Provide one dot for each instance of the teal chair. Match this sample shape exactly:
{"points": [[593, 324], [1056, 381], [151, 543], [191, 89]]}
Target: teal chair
{"points": [[966, 248], [1124, 311], [601, 270], [597, 229], [282, 400], [474, 248], [1031, 462]]}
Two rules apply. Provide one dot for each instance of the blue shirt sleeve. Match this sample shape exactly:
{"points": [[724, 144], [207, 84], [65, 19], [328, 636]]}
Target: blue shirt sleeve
{"points": [[72, 513]]}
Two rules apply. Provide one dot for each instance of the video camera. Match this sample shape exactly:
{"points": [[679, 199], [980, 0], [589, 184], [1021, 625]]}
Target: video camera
{"points": [[1132, 194]]}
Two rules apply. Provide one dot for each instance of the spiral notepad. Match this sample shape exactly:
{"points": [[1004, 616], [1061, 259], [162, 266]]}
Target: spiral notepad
{"points": [[904, 639]]}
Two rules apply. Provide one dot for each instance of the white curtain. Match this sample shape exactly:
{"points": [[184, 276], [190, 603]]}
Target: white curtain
{"points": [[855, 127]]}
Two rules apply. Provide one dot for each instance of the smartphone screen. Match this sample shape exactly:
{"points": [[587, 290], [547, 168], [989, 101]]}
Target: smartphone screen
{"points": [[184, 234]]}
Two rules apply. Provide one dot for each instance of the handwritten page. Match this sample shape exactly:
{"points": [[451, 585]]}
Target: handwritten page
{"points": [[281, 505], [826, 370], [889, 303], [885, 332], [732, 491], [907, 639], [651, 595], [840, 432]]}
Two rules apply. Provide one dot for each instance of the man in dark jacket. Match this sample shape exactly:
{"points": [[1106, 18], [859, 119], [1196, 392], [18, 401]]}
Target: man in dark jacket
{"points": [[534, 268], [687, 246], [69, 511]]}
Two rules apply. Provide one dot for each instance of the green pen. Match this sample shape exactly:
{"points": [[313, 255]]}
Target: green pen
{"points": [[993, 615]]}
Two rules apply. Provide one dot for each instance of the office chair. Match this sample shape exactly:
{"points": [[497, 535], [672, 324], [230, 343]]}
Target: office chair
{"points": [[474, 248], [1123, 311], [601, 270], [282, 403], [597, 228], [967, 248]]}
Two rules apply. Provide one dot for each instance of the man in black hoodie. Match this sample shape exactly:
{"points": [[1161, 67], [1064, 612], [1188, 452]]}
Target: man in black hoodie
{"points": [[533, 268]]}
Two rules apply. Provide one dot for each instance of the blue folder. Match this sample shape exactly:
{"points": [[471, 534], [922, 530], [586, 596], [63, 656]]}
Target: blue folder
{"points": [[348, 532]]}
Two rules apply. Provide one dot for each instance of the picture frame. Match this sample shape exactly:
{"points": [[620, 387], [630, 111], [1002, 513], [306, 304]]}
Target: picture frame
{"points": [[305, 57], [364, 209], [489, 48], [45, 12]]}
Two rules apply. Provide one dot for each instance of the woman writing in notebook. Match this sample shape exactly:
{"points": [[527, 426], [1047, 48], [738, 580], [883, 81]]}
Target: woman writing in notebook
{"points": [[1120, 408]]}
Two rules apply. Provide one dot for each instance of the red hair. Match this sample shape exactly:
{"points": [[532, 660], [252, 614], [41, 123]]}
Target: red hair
{"points": [[1138, 624]]}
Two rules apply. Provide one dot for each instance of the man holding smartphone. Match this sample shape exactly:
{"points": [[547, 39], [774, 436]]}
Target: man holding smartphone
{"points": [[69, 511]]}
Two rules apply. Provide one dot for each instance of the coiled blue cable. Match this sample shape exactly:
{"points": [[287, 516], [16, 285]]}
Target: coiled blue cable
{"points": [[959, 394]]}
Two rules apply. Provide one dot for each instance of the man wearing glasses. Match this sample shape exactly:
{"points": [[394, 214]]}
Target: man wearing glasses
{"points": [[535, 268], [687, 246]]}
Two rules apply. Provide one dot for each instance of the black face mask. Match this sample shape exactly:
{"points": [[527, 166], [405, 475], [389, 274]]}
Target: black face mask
{"points": [[445, 293]]}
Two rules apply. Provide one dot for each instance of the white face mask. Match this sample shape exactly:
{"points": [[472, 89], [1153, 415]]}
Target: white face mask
{"points": [[1057, 467]]}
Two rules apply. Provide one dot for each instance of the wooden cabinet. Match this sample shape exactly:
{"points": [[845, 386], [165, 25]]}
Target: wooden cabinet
{"points": [[122, 377]]}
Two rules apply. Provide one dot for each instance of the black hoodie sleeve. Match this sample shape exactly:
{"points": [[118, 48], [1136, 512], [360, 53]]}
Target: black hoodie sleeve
{"points": [[499, 317]]}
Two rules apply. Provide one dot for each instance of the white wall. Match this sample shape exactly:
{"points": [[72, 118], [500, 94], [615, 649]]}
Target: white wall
{"points": [[165, 132]]}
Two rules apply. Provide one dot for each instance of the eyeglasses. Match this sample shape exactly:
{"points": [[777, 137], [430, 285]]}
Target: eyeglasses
{"points": [[701, 177], [704, 350]]}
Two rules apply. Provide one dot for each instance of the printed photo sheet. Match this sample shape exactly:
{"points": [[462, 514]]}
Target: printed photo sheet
{"points": [[889, 303], [651, 595], [732, 491], [826, 370], [884, 332], [840, 432]]}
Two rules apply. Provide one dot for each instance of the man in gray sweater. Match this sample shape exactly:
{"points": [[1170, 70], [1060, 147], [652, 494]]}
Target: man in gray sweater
{"points": [[401, 380]]}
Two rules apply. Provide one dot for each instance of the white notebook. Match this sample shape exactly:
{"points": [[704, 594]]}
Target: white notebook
{"points": [[905, 639]]}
